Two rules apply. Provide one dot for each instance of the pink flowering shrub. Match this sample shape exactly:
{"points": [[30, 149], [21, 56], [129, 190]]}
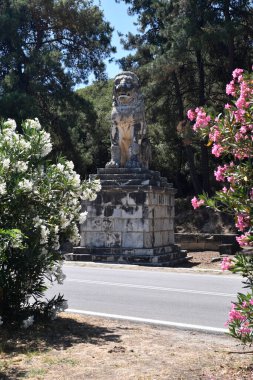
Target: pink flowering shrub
{"points": [[197, 203], [227, 263], [231, 136]]}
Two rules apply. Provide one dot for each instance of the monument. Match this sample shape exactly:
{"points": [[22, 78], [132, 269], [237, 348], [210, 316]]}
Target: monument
{"points": [[132, 219]]}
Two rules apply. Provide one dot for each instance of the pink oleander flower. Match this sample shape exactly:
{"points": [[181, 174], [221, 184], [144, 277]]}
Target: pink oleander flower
{"points": [[235, 314], [227, 106], [242, 221], [240, 78], [230, 88], [239, 115], [243, 240], [219, 173], [196, 203], [244, 89], [242, 153], [231, 179], [251, 301], [202, 119], [244, 129], [236, 73], [214, 134], [244, 304], [226, 263], [238, 137], [244, 330], [224, 189], [241, 102], [217, 149], [191, 115]]}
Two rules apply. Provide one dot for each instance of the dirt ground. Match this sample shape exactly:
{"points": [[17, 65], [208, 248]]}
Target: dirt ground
{"points": [[204, 260], [88, 348]]}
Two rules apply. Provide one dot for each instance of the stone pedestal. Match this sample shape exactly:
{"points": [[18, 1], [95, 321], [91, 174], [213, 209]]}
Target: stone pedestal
{"points": [[131, 221]]}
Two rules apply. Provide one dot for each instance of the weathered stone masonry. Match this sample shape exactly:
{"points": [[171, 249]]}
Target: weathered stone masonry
{"points": [[131, 221]]}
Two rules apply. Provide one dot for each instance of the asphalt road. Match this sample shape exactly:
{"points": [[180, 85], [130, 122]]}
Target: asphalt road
{"points": [[200, 301]]}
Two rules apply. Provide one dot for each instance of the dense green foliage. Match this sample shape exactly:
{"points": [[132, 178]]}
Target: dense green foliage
{"points": [[40, 206], [184, 55], [100, 96], [46, 48]]}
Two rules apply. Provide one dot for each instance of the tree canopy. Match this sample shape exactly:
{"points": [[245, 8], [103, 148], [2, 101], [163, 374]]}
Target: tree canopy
{"points": [[184, 53], [46, 48]]}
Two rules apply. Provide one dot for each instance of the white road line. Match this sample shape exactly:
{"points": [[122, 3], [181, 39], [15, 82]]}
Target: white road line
{"points": [[177, 272], [152, 321], [125, 285]]}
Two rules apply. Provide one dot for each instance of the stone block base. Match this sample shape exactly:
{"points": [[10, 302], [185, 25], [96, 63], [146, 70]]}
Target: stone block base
{"points": [[207, 242], [165, 256], [131, 221]]}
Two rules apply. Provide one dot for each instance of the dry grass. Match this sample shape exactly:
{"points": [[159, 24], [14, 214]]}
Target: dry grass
{"points": [[75, 347]]}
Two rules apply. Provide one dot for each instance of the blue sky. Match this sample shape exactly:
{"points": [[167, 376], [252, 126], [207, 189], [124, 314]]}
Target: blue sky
{"points": [[117, 15]]}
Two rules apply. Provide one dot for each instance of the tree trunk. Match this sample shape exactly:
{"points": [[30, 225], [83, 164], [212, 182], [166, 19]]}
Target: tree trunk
{"points": [[205, 171], [230, 35], [188, 148], [193, 173]]}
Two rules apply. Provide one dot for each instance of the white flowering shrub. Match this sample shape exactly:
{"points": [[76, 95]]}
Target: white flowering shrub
{"points": [[39, 209]]}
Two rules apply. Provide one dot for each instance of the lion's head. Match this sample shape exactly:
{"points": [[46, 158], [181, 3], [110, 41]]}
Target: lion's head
{"points": [[126, 89]]}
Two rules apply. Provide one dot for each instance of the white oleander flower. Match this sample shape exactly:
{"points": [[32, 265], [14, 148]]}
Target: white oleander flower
{"points": [[44, 251], [60, 167], [76, 180], [8, 137], [3, 188], [56, 243], [83, 217], [97, 185], [46, 145], [25, 145], [89, 194], [33, 123], [74, 237], [10, 124], [21, 166], [37, 221], [44, 233], [64, 222], [74, 202], [69, 165], [25, 185], [6, 163], [28, 322]]}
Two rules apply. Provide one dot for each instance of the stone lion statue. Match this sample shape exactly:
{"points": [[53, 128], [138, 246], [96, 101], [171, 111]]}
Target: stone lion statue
{"points": [[130, 148]]}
